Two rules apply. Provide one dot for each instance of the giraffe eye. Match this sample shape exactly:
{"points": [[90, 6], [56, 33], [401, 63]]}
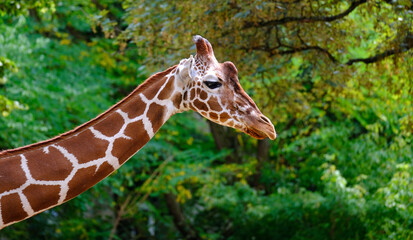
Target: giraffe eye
{"points": [[212, 85]]}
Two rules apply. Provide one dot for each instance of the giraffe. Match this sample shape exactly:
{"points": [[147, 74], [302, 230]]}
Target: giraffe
{"points": [[39, 176]]}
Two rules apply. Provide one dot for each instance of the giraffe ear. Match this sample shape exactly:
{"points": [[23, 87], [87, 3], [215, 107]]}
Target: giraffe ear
{"points": [[186, 69], [191, 68], [203, 47]]}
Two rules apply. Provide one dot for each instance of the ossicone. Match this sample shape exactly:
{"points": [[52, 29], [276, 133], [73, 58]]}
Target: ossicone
{"points": [[203, 47]]}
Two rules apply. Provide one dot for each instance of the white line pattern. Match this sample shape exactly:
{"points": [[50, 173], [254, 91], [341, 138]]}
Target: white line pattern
{"points": [[196, 70]]}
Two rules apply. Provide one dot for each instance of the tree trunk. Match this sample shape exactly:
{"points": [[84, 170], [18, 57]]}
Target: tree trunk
{"points": [[263, 149], [179, 219], [226, 138]]}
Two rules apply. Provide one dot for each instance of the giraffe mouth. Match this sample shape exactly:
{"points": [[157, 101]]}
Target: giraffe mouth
{"points": [[267, 131], [259, 126]]}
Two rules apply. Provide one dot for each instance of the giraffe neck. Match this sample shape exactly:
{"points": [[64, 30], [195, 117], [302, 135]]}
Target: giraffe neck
{"points": [[40, 176]]}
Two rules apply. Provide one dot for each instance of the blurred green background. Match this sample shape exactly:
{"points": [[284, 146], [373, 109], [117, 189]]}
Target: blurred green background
{"points": [[335, 77]]}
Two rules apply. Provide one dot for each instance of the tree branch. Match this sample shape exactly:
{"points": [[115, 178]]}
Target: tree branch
{"points": [[274, 22], [291, 50], [119, 215], [405, 46], [372, 59]]}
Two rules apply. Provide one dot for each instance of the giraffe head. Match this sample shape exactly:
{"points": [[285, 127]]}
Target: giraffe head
{"points": [[213, 90]]}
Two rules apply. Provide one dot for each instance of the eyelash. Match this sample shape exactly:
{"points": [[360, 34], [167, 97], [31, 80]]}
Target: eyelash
{"points": [[212, 85]]}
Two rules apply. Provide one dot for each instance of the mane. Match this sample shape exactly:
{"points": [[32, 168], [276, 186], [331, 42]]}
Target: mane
{"points": [[140, 88]]}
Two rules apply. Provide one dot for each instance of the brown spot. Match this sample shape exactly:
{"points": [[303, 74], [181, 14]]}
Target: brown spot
{"points": [[151, 90], [238, 126], [12, 208], [223, 117], [85, 178], [177, 99], [200, 105], [203, 95], [230, 123], [198, 91], [85, 146], [110, 125], [156, 115], [203, 113], [214, 104], [51, 166], [42, 196], [213, 116], [167, 90], [11, 173], [123, 149], [185, 96], [133, 107], [192, 93]]}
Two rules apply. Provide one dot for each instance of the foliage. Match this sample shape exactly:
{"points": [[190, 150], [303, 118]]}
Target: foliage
{"points": [[254, 32], [341, 167], [7, 105], [299, 50], [20, 7]]}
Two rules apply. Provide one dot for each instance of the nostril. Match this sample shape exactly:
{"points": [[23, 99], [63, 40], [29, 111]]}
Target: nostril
{"points": [[265, 119]]}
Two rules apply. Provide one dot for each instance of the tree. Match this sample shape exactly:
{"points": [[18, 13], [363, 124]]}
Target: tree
{"points": [[299, 54], [329, 29], [307, 63], [263, 35], [335, 77]]}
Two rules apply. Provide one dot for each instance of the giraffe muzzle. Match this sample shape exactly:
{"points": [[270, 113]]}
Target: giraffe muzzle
{"points": [[260, 128]]}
